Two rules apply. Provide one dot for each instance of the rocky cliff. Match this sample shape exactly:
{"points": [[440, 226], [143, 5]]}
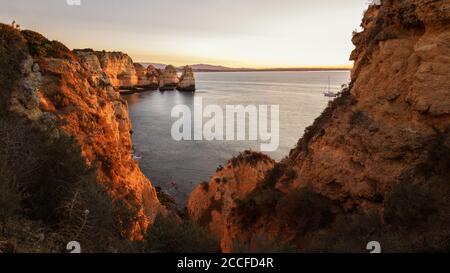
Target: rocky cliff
{"points": [[213, 202], [147, 77], [169, 79], [381, 146], [187, 80], [399, 97], [122, 73], [119, 67], [68, 94]]}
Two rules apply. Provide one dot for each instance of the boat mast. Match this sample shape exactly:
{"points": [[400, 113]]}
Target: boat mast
{"points": [[329, 89]]}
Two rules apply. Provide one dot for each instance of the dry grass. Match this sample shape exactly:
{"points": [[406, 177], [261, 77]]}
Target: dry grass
{"points": [[41, 47]]}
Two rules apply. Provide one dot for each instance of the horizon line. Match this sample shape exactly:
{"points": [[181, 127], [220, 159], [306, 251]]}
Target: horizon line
{"points": [[349, 67]]}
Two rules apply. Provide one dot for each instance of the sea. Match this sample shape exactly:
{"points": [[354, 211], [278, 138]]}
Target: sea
{"points": [[177, 167]]}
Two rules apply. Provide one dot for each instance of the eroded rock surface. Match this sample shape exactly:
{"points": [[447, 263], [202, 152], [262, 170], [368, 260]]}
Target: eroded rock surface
{"points": [[147, 77], [378, 133], [119, 68], [187, 80], [62, 92], [169, 79]]}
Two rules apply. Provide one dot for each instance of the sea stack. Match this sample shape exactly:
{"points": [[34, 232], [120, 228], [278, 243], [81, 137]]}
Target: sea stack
{"points": [[169, 79], [147, 77], [187, 80], [155, 74]]}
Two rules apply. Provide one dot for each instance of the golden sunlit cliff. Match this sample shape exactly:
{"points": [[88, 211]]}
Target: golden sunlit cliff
{"points": [[373, 166], [64, 95]]}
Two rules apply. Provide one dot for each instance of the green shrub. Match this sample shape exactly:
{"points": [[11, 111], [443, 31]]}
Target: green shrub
{"points": [[358, 118], [437, 160], [264, 198], [39, 46], [304, 210], [126, 214], [350, 233], [88, 215], [12, 53], [172, 235], [289, 176], [249, 157], [272, 176], [409, 205], [407, 15], [205, 186], [262, 244], [206, 217], [62, 168], [166, 199], [259, 203], [65, 194], [59, 189], [10, 195], [344, 100]]}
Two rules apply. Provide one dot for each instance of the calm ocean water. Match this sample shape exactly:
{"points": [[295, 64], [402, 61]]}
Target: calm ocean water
{"points": [[177, 167]]}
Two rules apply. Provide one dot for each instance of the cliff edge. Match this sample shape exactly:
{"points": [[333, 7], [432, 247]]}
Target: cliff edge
{"points": [[65, 95]]}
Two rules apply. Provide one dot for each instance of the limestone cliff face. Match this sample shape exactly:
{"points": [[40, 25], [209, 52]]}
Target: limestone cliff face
{"points": [[211, 204], [70, 94], [378, 131], [169, 78], [187, 80], [90, 61], [147, 77], [398, 96], [119, 68]]}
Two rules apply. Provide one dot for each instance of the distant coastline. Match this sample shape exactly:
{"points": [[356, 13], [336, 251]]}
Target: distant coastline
{"points": [[275, 70], [216, 68]]}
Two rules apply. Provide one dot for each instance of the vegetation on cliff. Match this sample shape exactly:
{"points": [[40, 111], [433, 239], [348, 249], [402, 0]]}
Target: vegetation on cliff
{"points": [[374, 166], [67, 172], [51, 183], [12, 54], [415, 213], [170, 234], [41, 47]]}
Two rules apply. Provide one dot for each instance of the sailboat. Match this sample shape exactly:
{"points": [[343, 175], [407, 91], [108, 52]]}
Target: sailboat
{"points": [[328, 93]]}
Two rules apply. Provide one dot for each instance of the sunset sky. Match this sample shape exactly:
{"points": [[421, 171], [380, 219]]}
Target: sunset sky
{"points": [[235, 33]]}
